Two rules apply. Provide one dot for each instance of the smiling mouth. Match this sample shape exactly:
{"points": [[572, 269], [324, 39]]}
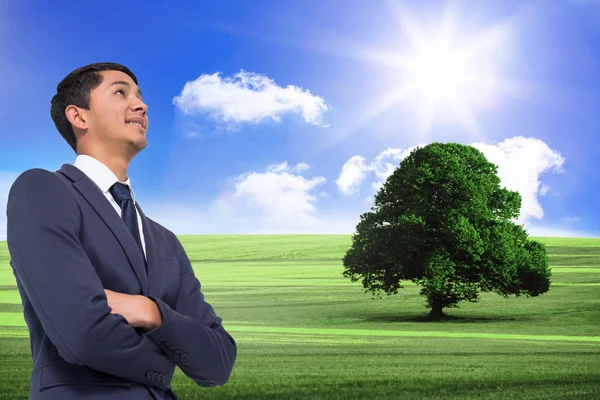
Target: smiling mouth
{"points": [[136, 123]]}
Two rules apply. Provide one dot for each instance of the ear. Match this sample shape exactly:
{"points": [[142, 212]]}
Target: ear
{"points": [[77, 117]]}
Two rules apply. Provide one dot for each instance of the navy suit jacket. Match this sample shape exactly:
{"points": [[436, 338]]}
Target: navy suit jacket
{"points": [[67, 244]]}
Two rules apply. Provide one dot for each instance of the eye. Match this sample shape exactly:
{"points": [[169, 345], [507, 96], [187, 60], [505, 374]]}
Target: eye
{"points": [[120, 91]]}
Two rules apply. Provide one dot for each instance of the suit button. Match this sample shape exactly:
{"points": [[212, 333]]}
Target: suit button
{"points": [[165, 379], [185, 357], [149, 375], [177, 354]]}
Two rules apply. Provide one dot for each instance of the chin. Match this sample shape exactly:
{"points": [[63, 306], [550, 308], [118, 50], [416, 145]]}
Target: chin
{"points": [[137, 146]]}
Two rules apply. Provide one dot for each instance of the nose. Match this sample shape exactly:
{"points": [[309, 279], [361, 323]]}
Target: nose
{"points": [[139, 106]]}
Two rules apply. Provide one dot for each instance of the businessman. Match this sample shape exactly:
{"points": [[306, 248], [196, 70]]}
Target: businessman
{"points": [[110, 297]]}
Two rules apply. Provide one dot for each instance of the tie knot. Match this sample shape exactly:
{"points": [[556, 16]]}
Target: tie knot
{"points": [[120, 192]]}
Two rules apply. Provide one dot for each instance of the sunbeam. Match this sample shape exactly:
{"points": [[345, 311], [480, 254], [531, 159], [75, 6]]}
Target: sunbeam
{"points": [[441, 71]]}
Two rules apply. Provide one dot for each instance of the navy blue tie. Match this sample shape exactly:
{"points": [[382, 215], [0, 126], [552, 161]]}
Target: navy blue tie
{"points": [[122, 196]]}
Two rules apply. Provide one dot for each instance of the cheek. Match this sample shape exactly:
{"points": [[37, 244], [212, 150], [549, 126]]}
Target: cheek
{"points": [[115, 116], [110, 119]]}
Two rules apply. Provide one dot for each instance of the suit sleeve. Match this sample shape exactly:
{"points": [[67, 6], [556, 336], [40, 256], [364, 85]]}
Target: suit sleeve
{"points": [[192, 334], [43, 228]]}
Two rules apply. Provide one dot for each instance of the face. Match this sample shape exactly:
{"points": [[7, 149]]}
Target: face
{"points": [[118, 116]]}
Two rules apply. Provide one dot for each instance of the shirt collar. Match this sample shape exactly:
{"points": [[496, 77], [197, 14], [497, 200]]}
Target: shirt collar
{"points": [[99, 173]]}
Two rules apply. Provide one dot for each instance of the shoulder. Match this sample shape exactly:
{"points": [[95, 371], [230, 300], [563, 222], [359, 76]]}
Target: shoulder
{"points": [[35, 173], [41, 194], [36, 180]]}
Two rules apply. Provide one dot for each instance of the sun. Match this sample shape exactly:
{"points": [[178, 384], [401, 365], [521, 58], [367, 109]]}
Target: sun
{"points": [[451, 78], [440, 72]]}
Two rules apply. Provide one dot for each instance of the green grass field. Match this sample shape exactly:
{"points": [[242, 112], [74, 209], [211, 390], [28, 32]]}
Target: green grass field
{"points": [[305, 332]]}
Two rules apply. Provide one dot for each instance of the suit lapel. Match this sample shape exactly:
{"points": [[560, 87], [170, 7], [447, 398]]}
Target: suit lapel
{"points": [[90, 191], [152, 259]]}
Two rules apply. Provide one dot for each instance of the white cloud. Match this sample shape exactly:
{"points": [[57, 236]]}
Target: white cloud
{"points": [[354, 171], [520, 162], [280, 194], [278, 200], [248, 97], [283, 167], [352, 174], [383, 168]]}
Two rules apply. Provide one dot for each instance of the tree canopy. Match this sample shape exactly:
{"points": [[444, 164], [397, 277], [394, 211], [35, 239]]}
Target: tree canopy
{"points": [[443, 221]]}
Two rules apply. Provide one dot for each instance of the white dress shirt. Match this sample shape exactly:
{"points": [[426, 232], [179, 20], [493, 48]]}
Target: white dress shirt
{"points": [[104, 178]]}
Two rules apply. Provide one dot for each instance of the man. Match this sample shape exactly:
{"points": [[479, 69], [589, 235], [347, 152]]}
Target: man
{"points": [[109, 295]]}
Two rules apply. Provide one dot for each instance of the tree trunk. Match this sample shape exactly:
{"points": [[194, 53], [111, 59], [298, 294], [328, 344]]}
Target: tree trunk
{"points": [[437, 309]]}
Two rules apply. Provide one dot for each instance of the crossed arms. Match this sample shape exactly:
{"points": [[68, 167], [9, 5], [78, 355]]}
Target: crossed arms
{"points": [[68, 298]]}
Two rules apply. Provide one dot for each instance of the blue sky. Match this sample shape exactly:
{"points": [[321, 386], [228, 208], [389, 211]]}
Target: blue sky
{"points": [[285, 116]]}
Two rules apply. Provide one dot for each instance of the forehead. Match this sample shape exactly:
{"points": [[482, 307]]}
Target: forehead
{"points": [[109, 77]]}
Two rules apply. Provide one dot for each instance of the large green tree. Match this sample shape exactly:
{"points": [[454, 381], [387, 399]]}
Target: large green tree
{"points": [[443, 221]]}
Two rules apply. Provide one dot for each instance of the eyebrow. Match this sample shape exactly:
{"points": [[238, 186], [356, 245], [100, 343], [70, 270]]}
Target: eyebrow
{"points": [[139, 92]]}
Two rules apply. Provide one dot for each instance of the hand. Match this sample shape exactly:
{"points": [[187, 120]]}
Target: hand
{"points": [[139, 311]]}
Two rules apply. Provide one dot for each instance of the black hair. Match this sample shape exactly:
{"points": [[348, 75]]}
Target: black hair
{"points": [[75, 89]]}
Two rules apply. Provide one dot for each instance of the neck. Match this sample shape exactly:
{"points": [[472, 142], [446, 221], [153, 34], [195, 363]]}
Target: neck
{"points": [[118, 164]]}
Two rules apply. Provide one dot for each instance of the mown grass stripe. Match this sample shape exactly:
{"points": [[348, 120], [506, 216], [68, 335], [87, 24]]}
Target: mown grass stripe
{"points": [[12, 319], [5, 333], [373, 332], [381, 332], [576, 284], [592, 270]]}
